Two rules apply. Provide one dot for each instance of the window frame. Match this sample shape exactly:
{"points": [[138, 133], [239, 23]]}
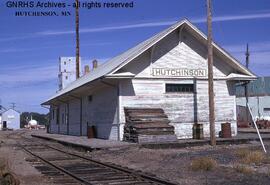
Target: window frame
{"points": [[180, 92]]}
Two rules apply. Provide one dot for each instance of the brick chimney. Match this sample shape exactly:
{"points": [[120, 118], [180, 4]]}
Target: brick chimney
{"points": [[95, 64], [86, 69]]}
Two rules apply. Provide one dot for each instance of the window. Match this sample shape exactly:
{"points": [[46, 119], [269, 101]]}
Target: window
{"points": [[65, 63], [90, 98], [66, 77], [181, 88], [266, 111]]}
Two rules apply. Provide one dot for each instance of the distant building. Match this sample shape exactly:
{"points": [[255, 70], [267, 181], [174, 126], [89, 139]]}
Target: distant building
{"points": [[67, 71], [258, 98], [9, 119]]}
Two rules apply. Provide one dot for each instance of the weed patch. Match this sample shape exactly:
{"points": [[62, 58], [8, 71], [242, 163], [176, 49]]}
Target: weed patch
{"points": [[251, 157], [203, 164], [243, 169]]}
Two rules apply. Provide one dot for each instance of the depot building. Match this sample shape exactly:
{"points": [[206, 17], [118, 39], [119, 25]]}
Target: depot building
{"points": [[168, 71]]}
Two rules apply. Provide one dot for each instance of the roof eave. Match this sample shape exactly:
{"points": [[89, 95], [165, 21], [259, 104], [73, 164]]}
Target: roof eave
{"points": [[54, 98]]}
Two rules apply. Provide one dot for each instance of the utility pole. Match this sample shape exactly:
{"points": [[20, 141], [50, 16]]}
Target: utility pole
{"points": [[246, 84], [77, 41], [247, 57], [210, 75]]}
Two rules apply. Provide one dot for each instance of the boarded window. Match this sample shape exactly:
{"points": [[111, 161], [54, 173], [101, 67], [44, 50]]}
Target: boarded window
{"points": [[180, 88]]}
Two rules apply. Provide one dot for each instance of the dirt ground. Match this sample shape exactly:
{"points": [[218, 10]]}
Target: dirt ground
{"points": [[171, 164], [175, 164], [15, 158]]}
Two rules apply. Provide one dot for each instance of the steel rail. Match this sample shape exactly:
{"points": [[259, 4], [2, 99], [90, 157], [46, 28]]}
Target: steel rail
{"points": [[129, 171], [132, 173], [57, 167]]}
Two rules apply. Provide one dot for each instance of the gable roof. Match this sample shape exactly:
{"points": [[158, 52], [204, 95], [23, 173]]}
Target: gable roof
{"points": [[121, 60], [10, 109]]}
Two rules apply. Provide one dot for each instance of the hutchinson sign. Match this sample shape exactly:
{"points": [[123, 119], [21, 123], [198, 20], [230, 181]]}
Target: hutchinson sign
{"points": [[178, 72]]}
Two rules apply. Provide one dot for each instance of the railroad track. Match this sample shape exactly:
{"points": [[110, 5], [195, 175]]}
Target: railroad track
{"points": [[64, 167], [15, 134]]}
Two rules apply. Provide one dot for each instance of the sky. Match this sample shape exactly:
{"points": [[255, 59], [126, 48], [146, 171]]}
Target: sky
{"points": [[30, 46]]}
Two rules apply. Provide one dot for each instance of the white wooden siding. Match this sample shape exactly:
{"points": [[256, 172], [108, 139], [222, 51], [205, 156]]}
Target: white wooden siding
{"points": [[177, 50], [183, 109], [172, 52], [102, 112]]}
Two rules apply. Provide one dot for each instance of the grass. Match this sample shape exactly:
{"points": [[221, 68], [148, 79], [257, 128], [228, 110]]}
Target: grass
{"points": [[251, 157], [243, 169], [203, 164], [243, 152]]}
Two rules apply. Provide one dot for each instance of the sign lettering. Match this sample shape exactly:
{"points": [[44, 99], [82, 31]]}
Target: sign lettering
{"points": [[178, 72]]}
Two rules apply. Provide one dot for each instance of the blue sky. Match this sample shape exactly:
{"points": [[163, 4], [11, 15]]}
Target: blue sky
{"points": [[30, 46]]}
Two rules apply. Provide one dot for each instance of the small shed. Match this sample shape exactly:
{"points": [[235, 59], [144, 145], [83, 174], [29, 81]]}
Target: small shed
{"points": [[10, 119], [258, 99]]}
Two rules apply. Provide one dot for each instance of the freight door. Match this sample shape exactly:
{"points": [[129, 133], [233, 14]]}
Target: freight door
{"points": [[4, 125]]}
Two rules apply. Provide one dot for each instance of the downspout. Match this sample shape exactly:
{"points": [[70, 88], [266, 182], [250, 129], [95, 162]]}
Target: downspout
{"points": [[118, 105]]}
